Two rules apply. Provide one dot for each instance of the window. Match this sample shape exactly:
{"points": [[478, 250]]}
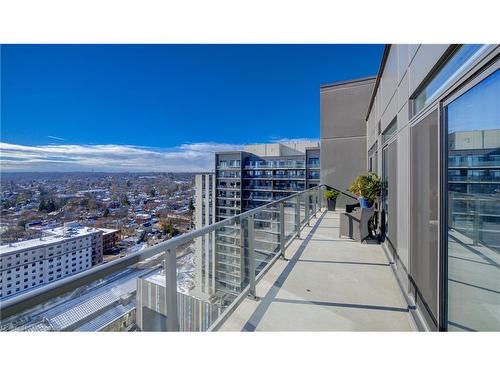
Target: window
{"points": [[390, 130], [313, 162], [473, 233], [452, 67]]}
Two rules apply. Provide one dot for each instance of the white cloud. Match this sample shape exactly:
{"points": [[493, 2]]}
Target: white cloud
{"points": [[291, 140], [110, 158], [189, 157]]}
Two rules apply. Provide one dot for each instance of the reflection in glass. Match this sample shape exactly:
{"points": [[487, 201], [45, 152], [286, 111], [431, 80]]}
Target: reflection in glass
{"points": [[474, 208], [455, 64]]}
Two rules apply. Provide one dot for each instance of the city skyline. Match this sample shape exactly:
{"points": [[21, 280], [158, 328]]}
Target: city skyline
{"points": [[161, 108]]}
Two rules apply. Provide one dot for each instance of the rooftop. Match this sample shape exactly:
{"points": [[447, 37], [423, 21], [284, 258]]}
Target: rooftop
{"points": [[73, 230], [108, 230], [50, 237]]}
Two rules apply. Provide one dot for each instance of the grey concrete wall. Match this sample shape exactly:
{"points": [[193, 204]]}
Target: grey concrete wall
{"points": [[343, 132]]}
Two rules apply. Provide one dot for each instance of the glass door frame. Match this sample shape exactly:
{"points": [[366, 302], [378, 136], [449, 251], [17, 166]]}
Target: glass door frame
{"points": [[475, 79]]}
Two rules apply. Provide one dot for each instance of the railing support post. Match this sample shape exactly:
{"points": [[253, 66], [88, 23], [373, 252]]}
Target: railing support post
{"points": [[315, 202], [320, 199], [251, 256], [171, 290], [297, 216], [282, 230], [475, 225], [307, 198]]}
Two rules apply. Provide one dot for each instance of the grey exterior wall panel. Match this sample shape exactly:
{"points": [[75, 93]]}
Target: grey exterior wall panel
{"points": [[424, 263], [389, 114], [412, 50], [403, 117], [389, 80], [425, 59], [403, 197], [403, 59], [342, 109], [343, 133], [403, 91], [342, 160]]}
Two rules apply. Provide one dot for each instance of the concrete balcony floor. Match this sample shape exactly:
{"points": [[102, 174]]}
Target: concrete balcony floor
{"points": [[328, 284]]}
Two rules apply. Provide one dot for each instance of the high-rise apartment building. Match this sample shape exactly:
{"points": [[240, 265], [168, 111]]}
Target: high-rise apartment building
{"points": [[60, 253], [262, 173], [244, 180]]}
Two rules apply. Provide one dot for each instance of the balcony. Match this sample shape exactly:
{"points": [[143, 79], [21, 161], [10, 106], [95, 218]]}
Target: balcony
{"points": [[328, 284], [296, 274]]}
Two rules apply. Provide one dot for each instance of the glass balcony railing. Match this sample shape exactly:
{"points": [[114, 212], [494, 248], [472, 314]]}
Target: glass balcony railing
{"points": [[474, 178], [233, 164], [192, 282], [290, 176], [229, 186], [477, 217], [228, 194], [275, 164], [228, 174], [258, 187], [313, 175], [473, 162], [292, 187]]}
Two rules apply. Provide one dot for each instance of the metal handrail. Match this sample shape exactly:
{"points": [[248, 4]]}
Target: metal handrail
{"points": [[340, 191], [29, 299]]}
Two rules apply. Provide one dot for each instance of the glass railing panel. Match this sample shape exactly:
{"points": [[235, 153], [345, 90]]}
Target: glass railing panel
{"points": [[198, 274], [302, 204], [290, 211], [476, 217], [266, 236]]}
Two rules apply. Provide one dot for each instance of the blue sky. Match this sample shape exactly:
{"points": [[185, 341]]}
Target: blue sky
{"points": [[91, 107]]}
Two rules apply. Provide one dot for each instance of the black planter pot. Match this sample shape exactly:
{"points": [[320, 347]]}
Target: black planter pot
{"points": [[331, 204]]}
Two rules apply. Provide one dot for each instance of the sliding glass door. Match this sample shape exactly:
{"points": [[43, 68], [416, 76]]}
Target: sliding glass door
{"points": [[472, 119]]}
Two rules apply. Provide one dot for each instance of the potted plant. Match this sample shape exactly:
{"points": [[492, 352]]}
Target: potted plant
{"points": [[331, 199], [367, 188]]}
